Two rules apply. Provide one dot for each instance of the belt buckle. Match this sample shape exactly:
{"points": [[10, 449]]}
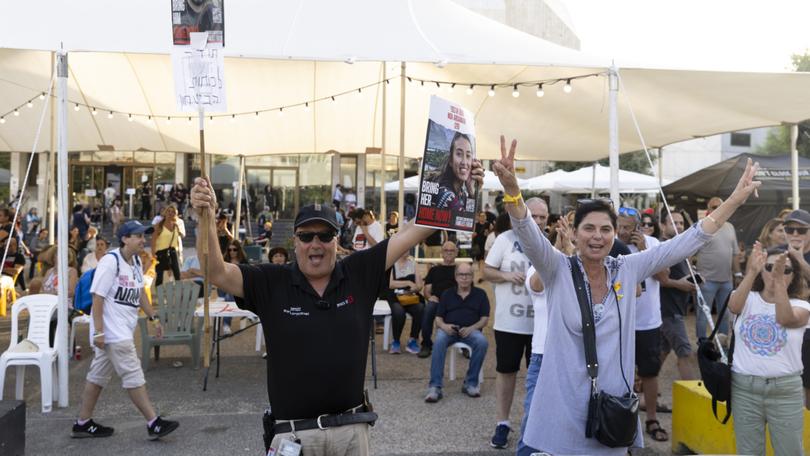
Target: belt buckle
{"points": [[318, 421]]}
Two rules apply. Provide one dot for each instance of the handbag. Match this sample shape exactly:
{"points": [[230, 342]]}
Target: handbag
{"points": [[166, 256], [612, 420], [715, 374], [408, 299]]}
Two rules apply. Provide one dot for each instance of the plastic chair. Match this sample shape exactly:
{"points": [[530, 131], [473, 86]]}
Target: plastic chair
{"points": [[253, 253], [40, 309], [457, 347], [176, 302], [79, 320]]}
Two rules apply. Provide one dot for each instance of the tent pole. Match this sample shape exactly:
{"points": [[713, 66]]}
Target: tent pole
{"points": [[613, 126], [794, 164], [660, 172], [593, 180], [62, 262], [237, 222], [383, 209], [401, 164], [52, 166]]}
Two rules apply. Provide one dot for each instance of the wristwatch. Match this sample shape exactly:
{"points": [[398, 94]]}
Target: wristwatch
{"points": [[154, 318]]}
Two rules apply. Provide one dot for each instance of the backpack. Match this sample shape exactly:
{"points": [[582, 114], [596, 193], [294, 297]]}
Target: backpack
{"points": [[82, 298]]}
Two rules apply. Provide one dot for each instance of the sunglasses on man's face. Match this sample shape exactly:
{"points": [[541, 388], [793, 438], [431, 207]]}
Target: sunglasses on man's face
{"points": [[307, 236], [769, 268], [795, 230]]}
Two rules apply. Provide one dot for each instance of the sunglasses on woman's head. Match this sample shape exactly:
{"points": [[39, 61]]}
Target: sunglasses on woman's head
{"points": [[629, 212], [607, 201], [323, 236], [795, 230], [769, 268]]}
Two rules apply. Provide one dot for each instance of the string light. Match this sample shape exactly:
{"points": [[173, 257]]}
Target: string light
{"points": [[30, 104], [515, 92], [491, 91], [567, 87], [16, 113], [94, 112], [540, 91], [129, 118], [189, 120], [333, 98], [438, 86], [233, 118], [42, 95], [306, 107], [168, 121], [451, 87], [110, 115], [2, 120], [211, 119], [76, 107], [470, 89], [280, 112]]}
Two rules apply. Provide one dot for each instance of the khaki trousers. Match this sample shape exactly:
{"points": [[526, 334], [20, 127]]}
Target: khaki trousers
{"points": [[350, 440]]}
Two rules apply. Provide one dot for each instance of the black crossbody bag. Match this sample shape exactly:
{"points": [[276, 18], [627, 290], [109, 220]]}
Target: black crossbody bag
{"points": [[612, 420]]}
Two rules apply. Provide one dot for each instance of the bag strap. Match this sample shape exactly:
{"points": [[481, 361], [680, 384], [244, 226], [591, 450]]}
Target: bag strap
{"points": [[720, 317], [588, 328], [729, 356]]}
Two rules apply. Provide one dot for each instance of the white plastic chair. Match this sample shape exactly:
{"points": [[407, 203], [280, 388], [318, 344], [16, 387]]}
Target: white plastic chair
{"points": [[457, 347], [80, 320], [40, 310]]}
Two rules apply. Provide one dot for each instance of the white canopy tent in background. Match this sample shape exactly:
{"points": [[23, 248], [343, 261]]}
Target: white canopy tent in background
{"points": [[279, 56], [584, 180]]}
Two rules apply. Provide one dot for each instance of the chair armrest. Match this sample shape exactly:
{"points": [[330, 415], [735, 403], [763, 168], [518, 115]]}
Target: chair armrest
{"points": [[144, 327]]}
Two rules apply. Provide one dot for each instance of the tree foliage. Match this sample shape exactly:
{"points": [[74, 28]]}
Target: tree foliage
{"points": [[778, 140]]}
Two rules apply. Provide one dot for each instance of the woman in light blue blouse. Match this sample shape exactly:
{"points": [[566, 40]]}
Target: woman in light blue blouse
{"points": [[559, 408]]}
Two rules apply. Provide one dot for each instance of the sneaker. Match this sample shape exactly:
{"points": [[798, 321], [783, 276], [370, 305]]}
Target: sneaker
{"points": [[226, 330], [412, 347], [499, 440], [395, 348], [472, 391], [424, 352], [90, 429], [434, 394], [161, 428]]}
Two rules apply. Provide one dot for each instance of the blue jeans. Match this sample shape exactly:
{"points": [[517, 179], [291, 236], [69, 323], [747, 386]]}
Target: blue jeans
{"points": [[428, 316], [531, 381], [475, 340], [712, 292]]}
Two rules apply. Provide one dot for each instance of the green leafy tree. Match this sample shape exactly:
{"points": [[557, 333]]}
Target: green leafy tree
{"points": [[778, 140]]}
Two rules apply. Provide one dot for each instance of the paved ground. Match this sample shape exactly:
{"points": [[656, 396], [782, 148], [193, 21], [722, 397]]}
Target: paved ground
{"points": [[226, 418]]}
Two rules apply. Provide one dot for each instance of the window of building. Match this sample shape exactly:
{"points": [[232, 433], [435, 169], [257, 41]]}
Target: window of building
{"points": [[741, 139]]}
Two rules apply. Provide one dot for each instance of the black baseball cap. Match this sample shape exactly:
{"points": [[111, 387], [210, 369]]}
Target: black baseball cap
{"points": [[316, 213], [799, 216], [131, 227]]}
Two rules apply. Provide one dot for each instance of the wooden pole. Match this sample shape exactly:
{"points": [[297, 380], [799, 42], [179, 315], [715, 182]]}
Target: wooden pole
{"points": [[205, 221]]}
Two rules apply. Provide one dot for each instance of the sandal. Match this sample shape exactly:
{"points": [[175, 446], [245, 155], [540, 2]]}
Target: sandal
{"points": [[654, 430]]}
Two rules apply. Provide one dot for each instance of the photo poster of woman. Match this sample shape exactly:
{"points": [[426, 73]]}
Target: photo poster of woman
{"points": [[447, 192]]}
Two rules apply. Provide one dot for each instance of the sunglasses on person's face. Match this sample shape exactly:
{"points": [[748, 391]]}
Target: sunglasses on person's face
{"points": [[648, 224], [769, 268], [233, 250], [307, 236], [795, 230], [464, 274]]}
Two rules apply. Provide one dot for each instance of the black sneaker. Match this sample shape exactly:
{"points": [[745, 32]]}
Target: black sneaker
{"points": [[90, 429], [161, 428], [424, 352], [499, 440]]}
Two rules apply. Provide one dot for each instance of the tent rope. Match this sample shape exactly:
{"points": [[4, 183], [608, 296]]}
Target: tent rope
{"points": [[701, 301]]}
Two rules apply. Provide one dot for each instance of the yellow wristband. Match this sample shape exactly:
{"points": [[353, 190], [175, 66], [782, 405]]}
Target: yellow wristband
{"points": [[509, 199]]}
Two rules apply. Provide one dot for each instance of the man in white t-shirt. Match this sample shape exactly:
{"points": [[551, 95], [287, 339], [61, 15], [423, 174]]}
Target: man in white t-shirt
{"points": [[109, 195], [369, 232], [118, 293], [505, 266], [648, 319]]}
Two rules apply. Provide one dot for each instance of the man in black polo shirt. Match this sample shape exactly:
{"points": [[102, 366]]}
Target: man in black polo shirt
{"points": [[438, 279], [317, 314], [463, 312]]}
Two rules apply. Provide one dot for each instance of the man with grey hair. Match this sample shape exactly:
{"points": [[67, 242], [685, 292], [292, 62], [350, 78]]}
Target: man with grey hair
{"points": [[505, 267]]}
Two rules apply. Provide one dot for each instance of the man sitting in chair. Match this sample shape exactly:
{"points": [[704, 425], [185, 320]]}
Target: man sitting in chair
{"points": [[462, 313]]}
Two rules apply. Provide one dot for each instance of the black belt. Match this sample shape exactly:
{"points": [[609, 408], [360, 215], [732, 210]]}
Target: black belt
{"points": [[326, 421]]}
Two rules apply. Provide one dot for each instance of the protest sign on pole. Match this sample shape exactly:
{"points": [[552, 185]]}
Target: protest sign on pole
{"points": [[199, 75], [191, 16], [447, 191]]}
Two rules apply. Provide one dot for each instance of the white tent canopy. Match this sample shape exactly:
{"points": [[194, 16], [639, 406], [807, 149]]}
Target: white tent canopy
{"points": [[123, 67], [546, 182], [583, 181]]}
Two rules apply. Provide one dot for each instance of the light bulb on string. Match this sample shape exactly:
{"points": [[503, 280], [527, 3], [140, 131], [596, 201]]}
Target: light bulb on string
{"points": [[491, 91], [2, 120], [16, 113], [42, 96], [211, 119], [168, 121], [280, 112], [306, 107], [515, 92], [451, 87], [189, 120], [333, 98], [540, 91], [110, 115], [421, 85], [129, 118], [567, 87], [94, 112], [470, 89], [76, 107], [30, 104], [233, 118], [257, 115], [438, 86]]}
